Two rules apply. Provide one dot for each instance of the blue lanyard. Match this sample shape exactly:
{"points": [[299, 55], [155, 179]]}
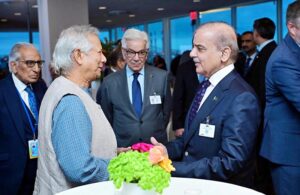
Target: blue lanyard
{"points": [[33, 128]]}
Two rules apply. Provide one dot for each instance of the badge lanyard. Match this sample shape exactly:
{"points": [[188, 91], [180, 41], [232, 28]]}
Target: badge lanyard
{"points": [[33, 129]]}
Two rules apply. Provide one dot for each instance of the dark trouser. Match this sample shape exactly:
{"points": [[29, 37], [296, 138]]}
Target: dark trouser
{"points": [[286, 179]]}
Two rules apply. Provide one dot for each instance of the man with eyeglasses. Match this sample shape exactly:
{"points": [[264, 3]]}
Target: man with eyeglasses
{"points": [[136, 100], [20, 95]]}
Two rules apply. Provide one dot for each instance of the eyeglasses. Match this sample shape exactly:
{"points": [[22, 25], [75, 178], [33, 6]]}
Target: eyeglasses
{"points": [[130, 53], [32, 63]]}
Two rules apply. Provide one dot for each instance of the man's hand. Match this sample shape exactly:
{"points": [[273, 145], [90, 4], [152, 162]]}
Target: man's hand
{"points": [[156, 143], [120, 150], [179, 132]]}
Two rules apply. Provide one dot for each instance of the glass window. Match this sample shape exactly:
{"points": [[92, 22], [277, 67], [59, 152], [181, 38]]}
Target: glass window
{"points": [[120, 32], [247, 14], [8, 39], [139, 27], [223, 15], [155, 32], [104, 35], [285, 4], [181, 35]]}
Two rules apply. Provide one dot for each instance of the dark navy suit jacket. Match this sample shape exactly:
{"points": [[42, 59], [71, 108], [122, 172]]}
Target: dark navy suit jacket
{"points": [[185, 88], [13, 142], [233, 109], [281, 139]]}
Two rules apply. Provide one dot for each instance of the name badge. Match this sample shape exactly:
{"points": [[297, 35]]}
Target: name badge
{"points": [[206, 130], [33, 146], [155, 99]]}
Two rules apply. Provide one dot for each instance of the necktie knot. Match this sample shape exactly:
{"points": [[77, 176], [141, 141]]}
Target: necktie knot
{"points": [[28, 90], [205, 84], [135, 75]]}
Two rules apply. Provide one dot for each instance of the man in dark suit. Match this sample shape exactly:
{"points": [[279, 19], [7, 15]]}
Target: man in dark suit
{"points": [[248, 54], [281, 138], [137, 99], [185, 88], [220, 128], [19, 115], [263, 34]]}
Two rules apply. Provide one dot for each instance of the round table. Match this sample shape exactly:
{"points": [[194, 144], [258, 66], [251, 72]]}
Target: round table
{"points": [[178, 186]]}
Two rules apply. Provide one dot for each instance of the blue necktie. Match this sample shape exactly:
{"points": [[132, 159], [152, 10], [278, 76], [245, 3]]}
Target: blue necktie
{"points": [[247, 65], [32, 102], [137, 95], [197, 100]]}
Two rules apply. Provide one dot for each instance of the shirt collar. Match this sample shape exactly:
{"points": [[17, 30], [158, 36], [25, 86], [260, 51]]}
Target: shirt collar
{"points": [[261, 46], [219, 75], [252, 56], [129, 72], [19, 84]]}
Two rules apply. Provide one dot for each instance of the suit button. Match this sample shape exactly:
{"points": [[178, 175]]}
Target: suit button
{"points": [[186, 153]]}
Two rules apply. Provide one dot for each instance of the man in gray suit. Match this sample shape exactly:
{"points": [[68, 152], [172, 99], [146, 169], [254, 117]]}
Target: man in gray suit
{"points": [[137, 99]]}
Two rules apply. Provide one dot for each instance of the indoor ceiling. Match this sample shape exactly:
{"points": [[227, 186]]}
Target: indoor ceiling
{"points": [[118, 13]]}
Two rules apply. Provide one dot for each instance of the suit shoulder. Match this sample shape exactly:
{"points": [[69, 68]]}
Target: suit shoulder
{"points": [[157, 71], [114, 76], [240, 85]]}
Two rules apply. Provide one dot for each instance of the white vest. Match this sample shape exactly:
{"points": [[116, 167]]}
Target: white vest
{"points": [[50, 178]]}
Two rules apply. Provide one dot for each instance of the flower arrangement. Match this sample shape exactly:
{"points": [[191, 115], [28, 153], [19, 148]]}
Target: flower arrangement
{"points": [[145, 164]]}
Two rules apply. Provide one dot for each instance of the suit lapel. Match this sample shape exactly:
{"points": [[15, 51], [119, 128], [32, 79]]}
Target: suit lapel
{"points": [[214, 98], [148, 83], [16, 109]]}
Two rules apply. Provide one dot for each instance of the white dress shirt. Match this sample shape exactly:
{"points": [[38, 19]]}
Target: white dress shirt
{"points": [[215, 79], [21, 89]]}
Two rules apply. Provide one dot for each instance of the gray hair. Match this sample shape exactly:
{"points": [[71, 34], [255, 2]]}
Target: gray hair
{"points": [[134, 34], [14, 54], [293, 13], [225, 36], [74, 37]]}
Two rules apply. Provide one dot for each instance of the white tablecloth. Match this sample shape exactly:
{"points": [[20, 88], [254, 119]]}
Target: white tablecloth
{"points": [[178, 186]]}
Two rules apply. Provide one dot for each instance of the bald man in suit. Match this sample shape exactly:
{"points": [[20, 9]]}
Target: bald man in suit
{"points": [[18, 120]]}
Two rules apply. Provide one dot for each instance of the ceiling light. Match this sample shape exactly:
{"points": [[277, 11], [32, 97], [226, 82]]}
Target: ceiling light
{"points": [[131, 15], [17, 14], [108, 21], [35, 6], [196, 1], [160, 9], [102, 7], [3, 20]]}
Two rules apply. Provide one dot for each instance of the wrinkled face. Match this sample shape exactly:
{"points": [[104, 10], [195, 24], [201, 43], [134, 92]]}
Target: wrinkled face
{"points": [[94, 60], [135, 55], [24, 70], [206, 55], [248, 44]]}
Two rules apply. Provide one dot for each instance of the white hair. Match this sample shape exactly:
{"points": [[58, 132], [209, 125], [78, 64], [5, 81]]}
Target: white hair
{"points": [[14, 54], [74, 37], [134, 34]]}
